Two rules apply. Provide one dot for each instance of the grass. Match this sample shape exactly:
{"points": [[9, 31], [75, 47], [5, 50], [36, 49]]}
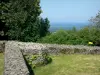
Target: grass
{"points": [[71, 65], [1, 63]]}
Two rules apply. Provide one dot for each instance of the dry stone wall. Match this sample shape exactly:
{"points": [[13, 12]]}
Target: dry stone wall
{"points": [[14, 62], [14, 51], [35, 48]]}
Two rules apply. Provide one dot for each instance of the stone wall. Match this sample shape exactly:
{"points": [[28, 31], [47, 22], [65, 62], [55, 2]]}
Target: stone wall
{"points": [[35, 48], [14, 51], [14, 61]]}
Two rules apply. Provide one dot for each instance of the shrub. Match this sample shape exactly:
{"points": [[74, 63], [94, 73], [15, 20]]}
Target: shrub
{"points": [[38, 60], [74, 37]]}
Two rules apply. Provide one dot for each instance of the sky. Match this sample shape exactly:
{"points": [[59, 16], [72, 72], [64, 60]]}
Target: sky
{"points": [[69, 10]]}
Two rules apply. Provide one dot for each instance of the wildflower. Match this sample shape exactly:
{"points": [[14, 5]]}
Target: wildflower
{"points": [[90, 43]]}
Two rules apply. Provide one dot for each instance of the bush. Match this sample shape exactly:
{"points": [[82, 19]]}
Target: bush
{"points": [[38, 60], [74, 37]]}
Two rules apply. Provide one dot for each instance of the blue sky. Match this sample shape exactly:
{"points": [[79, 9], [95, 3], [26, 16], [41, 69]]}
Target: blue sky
{"points": [[69, 10]]}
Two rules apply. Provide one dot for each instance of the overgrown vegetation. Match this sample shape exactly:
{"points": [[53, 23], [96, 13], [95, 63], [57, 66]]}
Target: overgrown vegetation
{"points": [[74, 37], [38, 60], [1, 63], [71, 64]]}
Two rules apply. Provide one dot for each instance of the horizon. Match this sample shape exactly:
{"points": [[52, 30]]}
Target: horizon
{"points": [[70, 22], [67, 11], [67, 26]]}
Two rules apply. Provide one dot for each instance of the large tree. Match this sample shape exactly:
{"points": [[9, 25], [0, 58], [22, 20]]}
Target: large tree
{"points": [[20, 19]]}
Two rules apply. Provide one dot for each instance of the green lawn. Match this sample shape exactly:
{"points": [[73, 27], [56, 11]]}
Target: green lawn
{"points": [[71, 65], [1, 63]]}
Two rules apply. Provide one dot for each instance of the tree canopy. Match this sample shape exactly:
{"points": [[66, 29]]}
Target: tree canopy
{"points": [[20, 20]]}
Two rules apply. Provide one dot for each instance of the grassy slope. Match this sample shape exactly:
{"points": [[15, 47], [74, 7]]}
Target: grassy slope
{"points": [[1, 63], [71, 65]]}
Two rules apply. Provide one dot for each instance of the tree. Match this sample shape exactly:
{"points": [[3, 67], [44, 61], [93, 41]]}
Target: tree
{"points": [[3, 28], [44, 27], [96, 29], [20, 20], [96, 20]]}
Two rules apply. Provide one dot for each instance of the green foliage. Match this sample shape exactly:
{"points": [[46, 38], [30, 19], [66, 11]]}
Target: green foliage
{"points": [[38, 60], [44, 26], [80, 37], [20, 20], [74, 37], [49, 60]]}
